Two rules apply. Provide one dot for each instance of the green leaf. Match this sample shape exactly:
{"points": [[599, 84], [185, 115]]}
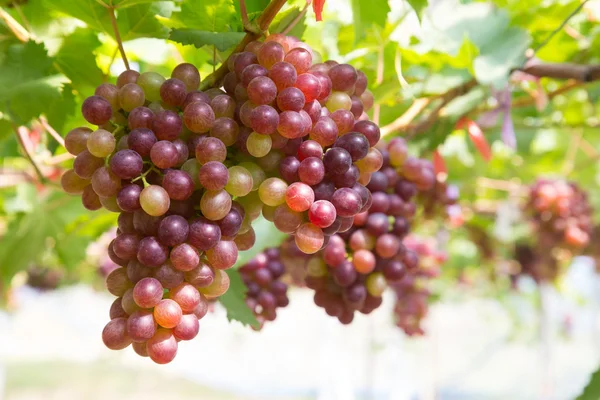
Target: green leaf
{"points": [[283, 19], [89, 11], [77, 60], [221, 40], [134, 21], [207, 15], [252, 6], [418, 6], [368, 13], [129, 3], [27, 233], [234, 301], [28, 82], [499, 56], [592, 389], [267, 235]]}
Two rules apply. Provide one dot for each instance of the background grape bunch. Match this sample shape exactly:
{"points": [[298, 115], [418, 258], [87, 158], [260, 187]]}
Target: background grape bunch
{"points": [[266, 290], [412, 294], [562, 220]]}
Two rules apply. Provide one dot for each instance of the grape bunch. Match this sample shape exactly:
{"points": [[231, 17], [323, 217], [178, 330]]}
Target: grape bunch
{"points": [[265, 289], [561, 214], [412, 296], [158, 159], [307, 121], [352, 272]]}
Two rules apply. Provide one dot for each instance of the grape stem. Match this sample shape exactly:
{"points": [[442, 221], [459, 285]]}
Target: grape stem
{"points": [[23, 138], [51, 131], [263, 21], [144, 174], [113, 21], [297, 19]]}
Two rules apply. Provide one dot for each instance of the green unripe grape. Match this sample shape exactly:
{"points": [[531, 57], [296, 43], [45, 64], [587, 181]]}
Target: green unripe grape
{"points": [[240, 181], [258, 174], [339, 101], [72, 183], [110, 203], [151, 82], [215, 204], [316, 267], [376, 284], [131, 96], [155, 200], [192, 167], [101, 143], [272, 191], [259, 145]]}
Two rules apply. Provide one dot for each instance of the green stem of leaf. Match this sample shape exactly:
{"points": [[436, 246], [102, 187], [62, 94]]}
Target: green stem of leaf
{"points": [[297, 19], [113, 20]]}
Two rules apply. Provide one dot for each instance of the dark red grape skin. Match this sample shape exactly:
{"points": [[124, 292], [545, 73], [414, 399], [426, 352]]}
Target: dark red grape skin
{"points": [[173, 230], [337, 161], [126, 164], [141, 141], [204, 234], [178, 184]]}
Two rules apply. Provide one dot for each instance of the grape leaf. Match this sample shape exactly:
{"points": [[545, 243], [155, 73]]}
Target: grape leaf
{"points": [[26, 235], [135, 21], [129, 3], [283, 19], [206, 15], [592, 389], [27, 71], [252, 6], [234, 301], [267, 235], [418, 6], [499, 56], [221, 40], [91, 12], [77, 60], [367, 13]]}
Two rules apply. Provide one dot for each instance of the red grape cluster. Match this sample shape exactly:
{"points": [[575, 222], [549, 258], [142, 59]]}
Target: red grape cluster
{"points": [[266, 291], [304, 119], [351, 273], [159, 157], [412, 298], [561, 214]]}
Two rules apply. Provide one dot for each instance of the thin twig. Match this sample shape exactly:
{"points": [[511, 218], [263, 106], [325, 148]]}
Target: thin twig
{"points": [[578, 72], [405, 119], [17, 29], [112, 60], [379, 81], [59, 159], [263, 21], [499, 184], [113, 20], [23, 18], [297, 19], [559, 28], [52, 131], [244, 13], [569, 162], [23, 139]]}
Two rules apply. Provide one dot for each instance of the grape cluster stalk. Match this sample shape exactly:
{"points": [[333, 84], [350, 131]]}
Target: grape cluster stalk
{"points": [[188, 171], [266, 290]]}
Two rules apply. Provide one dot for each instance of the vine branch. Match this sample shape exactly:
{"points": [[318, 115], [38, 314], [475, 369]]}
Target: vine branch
{"points": [[113, 21], [24, 142], [297, 19], [559, 28], [578, 72], [263, 21]]}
